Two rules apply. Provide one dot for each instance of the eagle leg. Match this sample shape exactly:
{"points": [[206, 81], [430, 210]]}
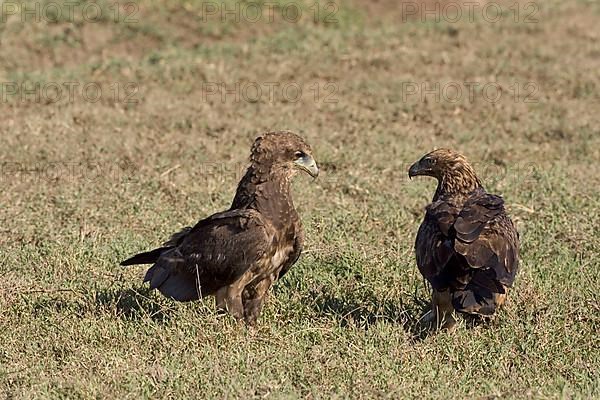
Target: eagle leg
{"points": [[220, 296], [500, 298], [231, 296], [441, 314], [254, 298], [233, 301]]}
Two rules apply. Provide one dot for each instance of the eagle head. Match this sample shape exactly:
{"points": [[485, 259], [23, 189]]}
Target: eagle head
{"points": [[451, 169], [283, 151]]}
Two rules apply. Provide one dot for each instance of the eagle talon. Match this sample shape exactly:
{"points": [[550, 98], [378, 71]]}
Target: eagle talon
{"points": [[432, 321]]}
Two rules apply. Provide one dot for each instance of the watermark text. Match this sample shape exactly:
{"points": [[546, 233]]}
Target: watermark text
{"points": [[269, 92], [68, 92]]}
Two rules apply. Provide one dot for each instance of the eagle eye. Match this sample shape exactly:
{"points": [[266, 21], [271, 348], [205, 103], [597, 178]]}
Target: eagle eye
{"points": [[430, 162], [299, 154]]}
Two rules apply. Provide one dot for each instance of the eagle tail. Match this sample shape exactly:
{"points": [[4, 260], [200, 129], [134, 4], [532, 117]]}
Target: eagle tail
{"points": [[149, 257], [480, 296], [472, 302]]}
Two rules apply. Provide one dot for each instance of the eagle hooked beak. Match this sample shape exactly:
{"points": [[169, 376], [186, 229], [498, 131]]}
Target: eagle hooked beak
{"points": [[416, 170], [308, 164]]}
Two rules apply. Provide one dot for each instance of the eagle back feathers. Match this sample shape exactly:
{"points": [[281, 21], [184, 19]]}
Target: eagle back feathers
{"points": [[470, 246]]}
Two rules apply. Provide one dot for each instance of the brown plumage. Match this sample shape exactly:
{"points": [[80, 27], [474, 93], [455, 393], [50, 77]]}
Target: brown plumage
{"points": [[236, 255], [467, 247]]}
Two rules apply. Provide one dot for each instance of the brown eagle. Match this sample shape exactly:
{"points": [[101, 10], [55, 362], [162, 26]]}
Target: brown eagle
{"points": [[236, 255], [467, 247]]}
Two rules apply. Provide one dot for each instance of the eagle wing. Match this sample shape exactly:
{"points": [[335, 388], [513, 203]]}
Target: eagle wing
{"points": [[150, 257], [486, 237], [434, 246], [472, 250], [212, 254], [489, 243]]}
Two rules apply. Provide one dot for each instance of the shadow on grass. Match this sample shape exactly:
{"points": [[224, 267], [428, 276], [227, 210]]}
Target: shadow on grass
{"points": [[133, 304], [364, 309], [421, 331]]}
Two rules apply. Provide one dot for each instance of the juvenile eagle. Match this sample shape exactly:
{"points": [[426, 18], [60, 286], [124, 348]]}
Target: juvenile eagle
{"points": [[236, 255], [467, 247]]}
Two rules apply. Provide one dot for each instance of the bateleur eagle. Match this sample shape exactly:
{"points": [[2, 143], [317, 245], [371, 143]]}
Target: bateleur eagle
{"points": [[236, 255]]}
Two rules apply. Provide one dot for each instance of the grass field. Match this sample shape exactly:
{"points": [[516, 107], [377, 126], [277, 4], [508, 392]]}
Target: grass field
{"points": [[88, 179]]}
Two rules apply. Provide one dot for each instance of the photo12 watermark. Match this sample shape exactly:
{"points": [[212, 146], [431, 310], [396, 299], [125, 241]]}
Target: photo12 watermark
{"points": [[498, 175], [68, 11], [66, 171], [233, 172], [468, 92], [269, 12], [269, 92], [470, 11], [69, 92], [518, 174]]}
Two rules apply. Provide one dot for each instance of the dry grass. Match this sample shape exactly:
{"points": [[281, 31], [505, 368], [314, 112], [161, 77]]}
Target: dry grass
{"points": [[86, 184]]}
